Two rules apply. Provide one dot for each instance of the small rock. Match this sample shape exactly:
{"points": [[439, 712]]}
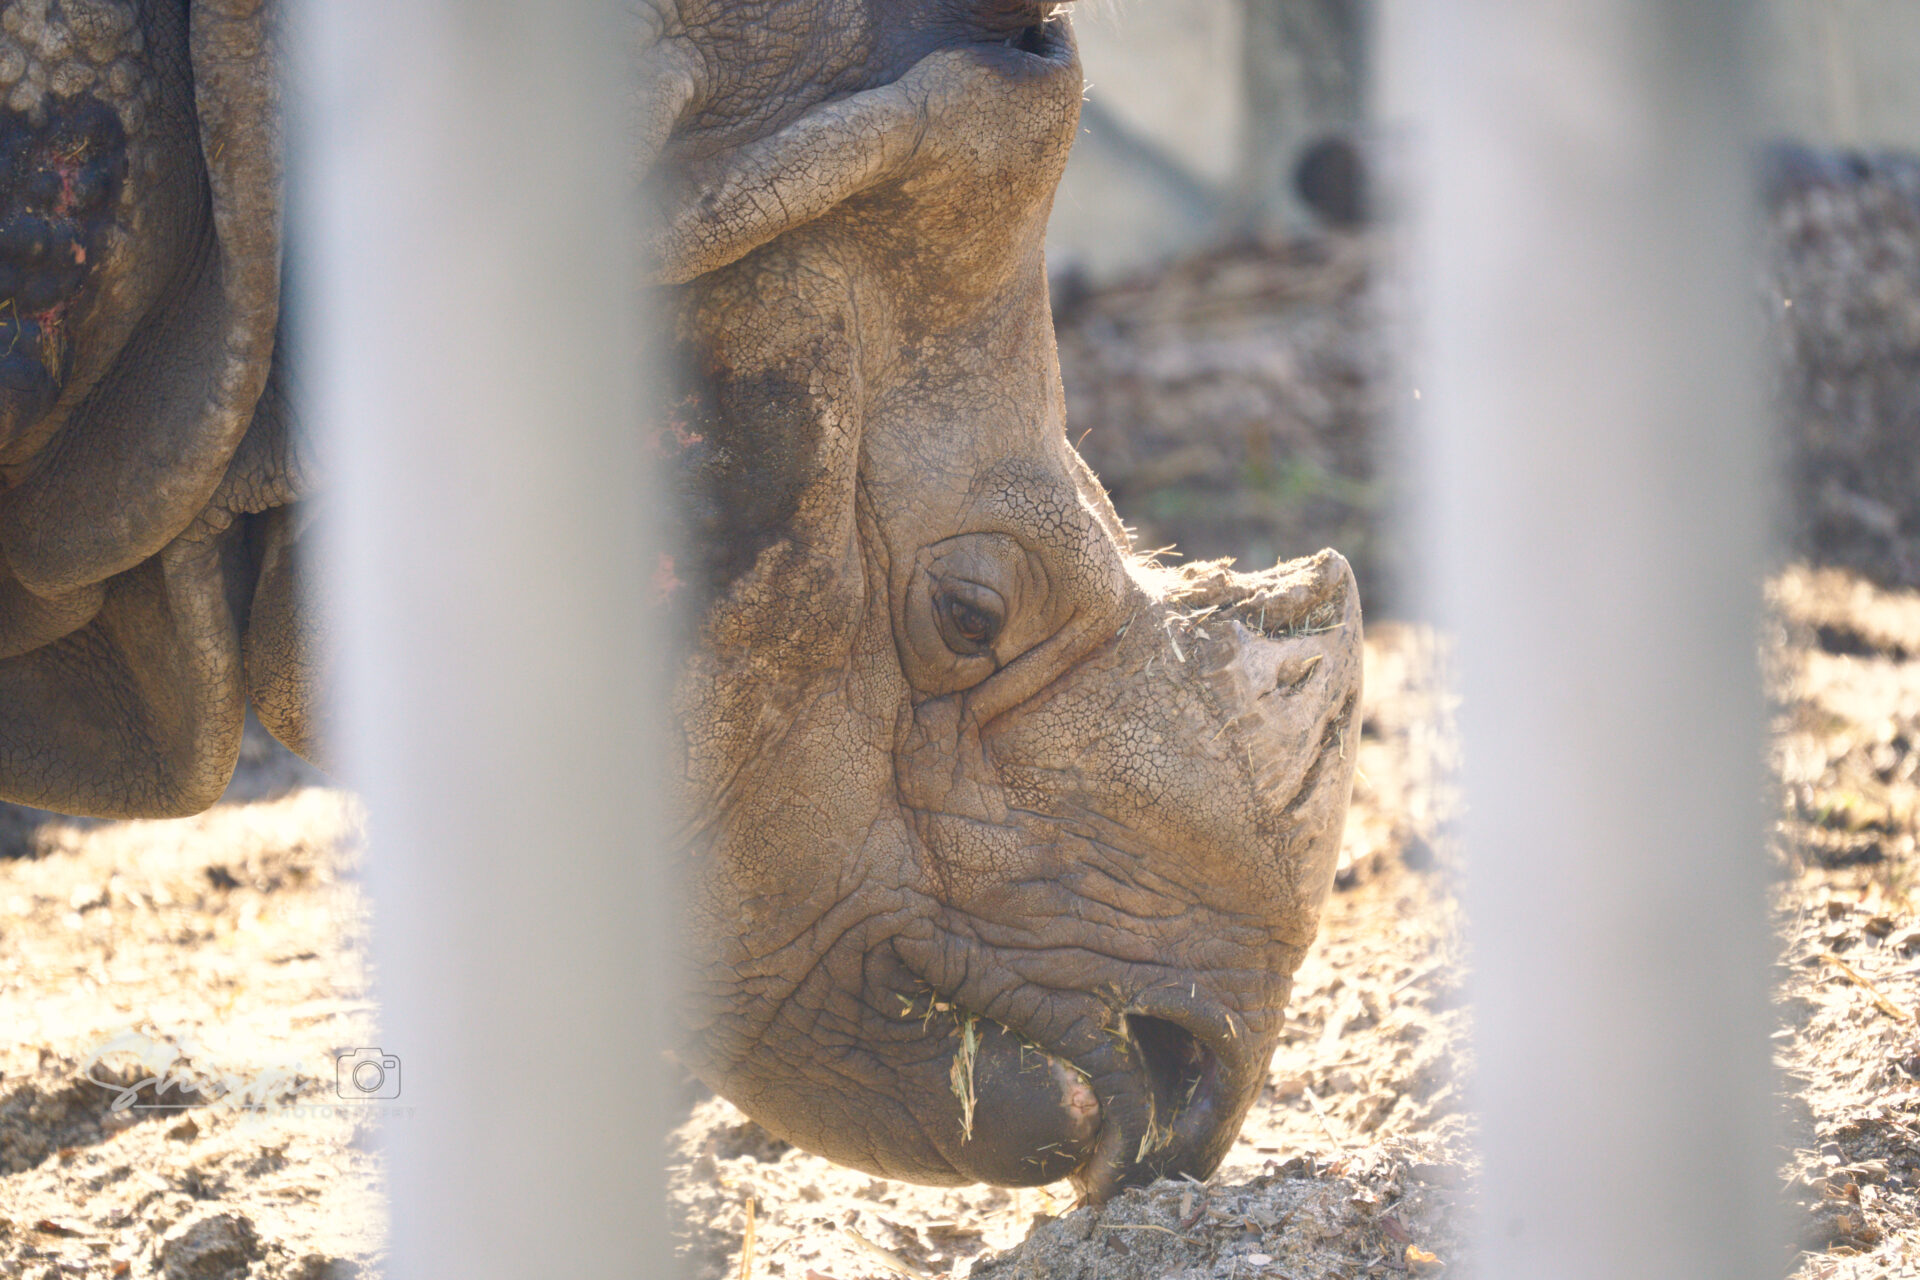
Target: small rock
{"points": [[1373, 1112], [215, 1247], [1288, 1088], [1867, 1171]]}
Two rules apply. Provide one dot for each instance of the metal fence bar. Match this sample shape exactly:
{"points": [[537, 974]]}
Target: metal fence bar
{"points": [[1595, 457], [463, 196]]}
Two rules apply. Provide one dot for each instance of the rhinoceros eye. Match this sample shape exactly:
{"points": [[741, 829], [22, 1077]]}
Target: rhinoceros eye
{"points": [[969, 616], [971, 604]]}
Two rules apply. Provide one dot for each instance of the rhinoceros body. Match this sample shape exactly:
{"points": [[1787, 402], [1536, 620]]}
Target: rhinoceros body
{"points": [[147, 470], [1001, 842]]}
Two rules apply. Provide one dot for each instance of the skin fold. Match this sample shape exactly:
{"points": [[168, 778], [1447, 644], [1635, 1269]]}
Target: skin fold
{"points": [[143, 452], [1000, 842]]}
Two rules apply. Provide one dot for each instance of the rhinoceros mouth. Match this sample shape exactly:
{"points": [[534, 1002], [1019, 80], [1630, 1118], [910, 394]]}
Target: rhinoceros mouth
{"points": [[1155, 1089]]}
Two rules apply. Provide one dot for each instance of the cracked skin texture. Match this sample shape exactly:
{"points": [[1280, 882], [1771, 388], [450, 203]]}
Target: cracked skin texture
{"points": [[1002, 843], [149, 467]]}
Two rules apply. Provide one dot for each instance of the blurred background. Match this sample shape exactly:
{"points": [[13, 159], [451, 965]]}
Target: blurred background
{"points": [[1221, 251]]}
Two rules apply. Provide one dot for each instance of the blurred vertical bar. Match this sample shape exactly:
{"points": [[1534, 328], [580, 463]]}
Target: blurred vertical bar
{"points": [[1597, 488], [463, 195]]}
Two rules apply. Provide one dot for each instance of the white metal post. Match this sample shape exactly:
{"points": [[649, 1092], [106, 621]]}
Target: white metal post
{"points": [[1595, 480], [462, 200]]}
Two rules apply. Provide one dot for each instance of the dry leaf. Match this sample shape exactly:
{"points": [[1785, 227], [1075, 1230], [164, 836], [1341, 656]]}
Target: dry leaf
{"points": [[885, 1257]]}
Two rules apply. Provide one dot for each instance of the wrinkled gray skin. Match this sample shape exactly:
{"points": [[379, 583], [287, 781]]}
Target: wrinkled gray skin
{"points": [[147, 481], [1001, 844]]}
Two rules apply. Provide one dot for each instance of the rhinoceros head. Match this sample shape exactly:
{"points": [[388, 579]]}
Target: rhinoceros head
{"points": [[1002, 842]]}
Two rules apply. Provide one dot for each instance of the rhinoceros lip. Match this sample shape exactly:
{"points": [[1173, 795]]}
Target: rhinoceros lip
{"points": [[1169, 1071]]}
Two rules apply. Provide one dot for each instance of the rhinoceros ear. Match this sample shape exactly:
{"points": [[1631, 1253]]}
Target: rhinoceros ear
{"points": [[139, 459]]}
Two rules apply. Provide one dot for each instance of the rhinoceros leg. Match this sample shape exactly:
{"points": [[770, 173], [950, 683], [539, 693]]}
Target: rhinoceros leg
{"points": [[286, 639], [138, 713], [28, 621]]}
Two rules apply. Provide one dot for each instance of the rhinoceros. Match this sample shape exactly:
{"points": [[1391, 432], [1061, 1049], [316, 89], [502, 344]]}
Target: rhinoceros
{"points": [[148, 474], [1001, 841]]}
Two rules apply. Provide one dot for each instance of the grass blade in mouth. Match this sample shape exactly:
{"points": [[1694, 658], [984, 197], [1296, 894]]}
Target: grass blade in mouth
{"points": [[960, 1075]]}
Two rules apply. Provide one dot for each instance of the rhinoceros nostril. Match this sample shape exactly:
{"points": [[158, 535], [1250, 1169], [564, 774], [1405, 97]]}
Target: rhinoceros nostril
{"points": [[1177, 1063], [1175, 1110]]}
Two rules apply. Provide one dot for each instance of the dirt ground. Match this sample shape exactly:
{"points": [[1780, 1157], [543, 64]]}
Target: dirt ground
{"points": [[1236, 404], [173, 994], [232, 946], [1845, 671]]}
